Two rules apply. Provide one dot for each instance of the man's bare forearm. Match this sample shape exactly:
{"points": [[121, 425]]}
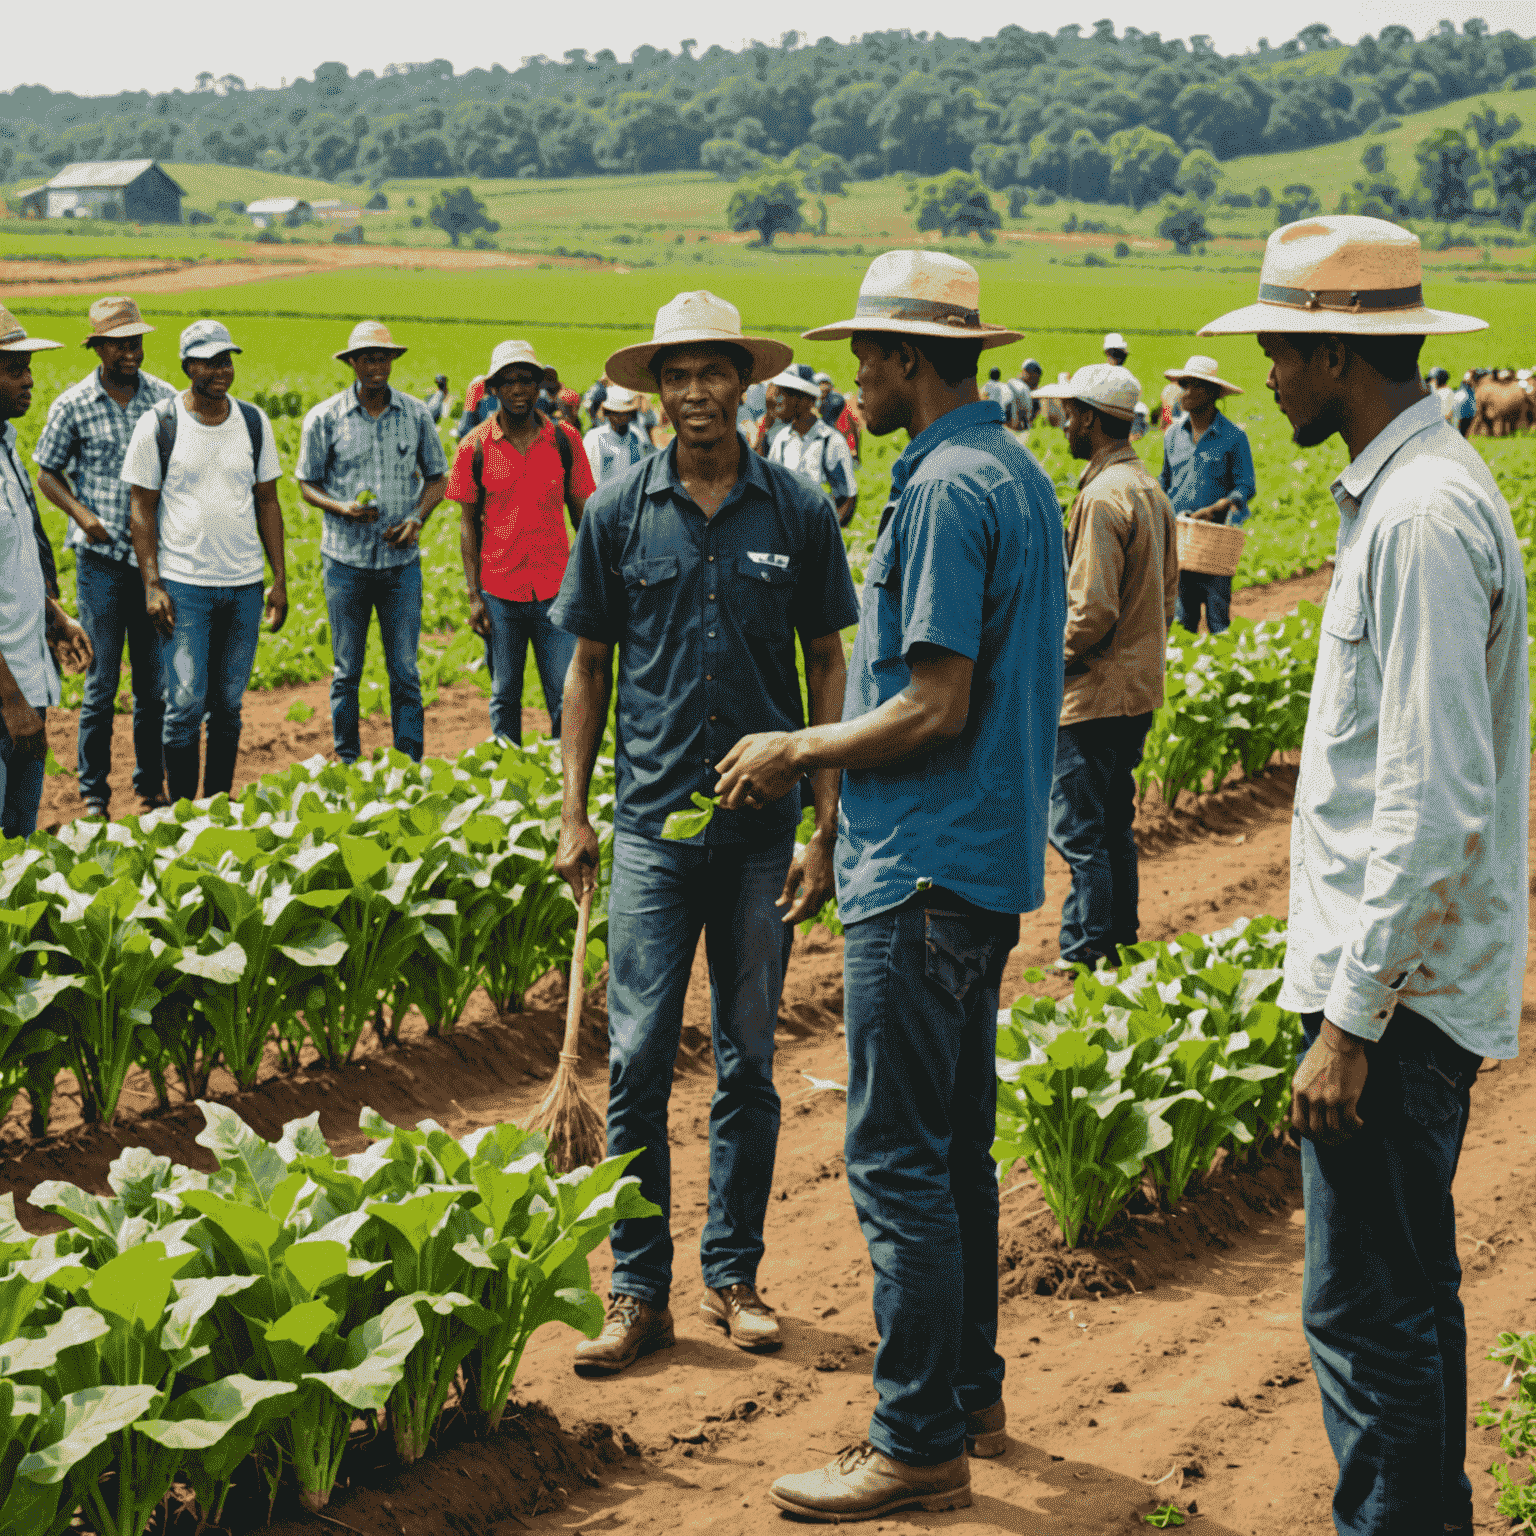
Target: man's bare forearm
{"points": [[269, 525], [469, 548], [144, 531], [57, 489], [826, 679], [583, 713], [431, 494]]}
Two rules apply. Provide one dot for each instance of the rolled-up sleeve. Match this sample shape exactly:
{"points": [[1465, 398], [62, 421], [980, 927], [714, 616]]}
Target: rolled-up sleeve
{"points": [[314, 464], [1435, 779], [1240, 475]]}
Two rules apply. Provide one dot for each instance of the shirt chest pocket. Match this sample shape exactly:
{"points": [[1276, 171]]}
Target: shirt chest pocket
{"points": [[1339, 683], [764, 593], [650, 586]]}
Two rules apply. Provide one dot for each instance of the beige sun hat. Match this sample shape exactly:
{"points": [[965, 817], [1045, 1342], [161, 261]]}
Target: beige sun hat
{"points": [[115, 318], [1104, 386], [789, 379], [1203, 369], [919, 293], [620, 399], [692, 318], [14, 339], [1346, 275], [509, 353], [369, 336]]}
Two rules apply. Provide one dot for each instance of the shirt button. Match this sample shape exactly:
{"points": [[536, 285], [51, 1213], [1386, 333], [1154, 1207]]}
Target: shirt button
{"points": [[714, 717], [710, 558], [709, 677], [642, 581], [711, 634], [711, 597]]}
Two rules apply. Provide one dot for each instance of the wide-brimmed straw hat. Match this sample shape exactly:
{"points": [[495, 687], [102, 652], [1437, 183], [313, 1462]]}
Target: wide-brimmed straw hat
{"points": [[1202, 369], [919, 293], [1346, 275], [14, 339], [689, 320], [369, 336], [115, 318], [1104, 386]]}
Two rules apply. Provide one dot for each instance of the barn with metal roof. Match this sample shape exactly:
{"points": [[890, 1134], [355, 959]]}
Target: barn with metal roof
{"points": [[135, 191]]}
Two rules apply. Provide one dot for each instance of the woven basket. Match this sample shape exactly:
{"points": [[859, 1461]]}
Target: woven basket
{"points": [[1213, 549]]}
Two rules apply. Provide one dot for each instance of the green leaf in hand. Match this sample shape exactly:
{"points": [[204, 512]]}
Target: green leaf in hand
{"points": [[365, 498], [681, 824]]}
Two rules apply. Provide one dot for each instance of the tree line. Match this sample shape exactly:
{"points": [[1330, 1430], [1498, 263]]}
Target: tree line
{"points": [[1088, 114]]}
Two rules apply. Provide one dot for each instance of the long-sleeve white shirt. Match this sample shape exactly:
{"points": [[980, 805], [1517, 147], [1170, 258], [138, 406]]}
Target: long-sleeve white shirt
{"points": [[1408, 848]]}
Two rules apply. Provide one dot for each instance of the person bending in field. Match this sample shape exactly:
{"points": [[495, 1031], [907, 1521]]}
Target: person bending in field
{"points": [[1409, 907], [703, 565], [201, 471], [80, 468], [31, 621], [947, 738], [1208, 475], [1122, 584], [513, 477], [810, 448], [372, 441]]}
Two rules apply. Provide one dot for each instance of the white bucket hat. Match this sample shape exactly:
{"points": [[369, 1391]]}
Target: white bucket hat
{"points": [[620, 399], [509, 352], [919, 293], [1346, 275], [1115, 342], [1203, 369], [369, 336], [690, 319], [1104, 386], [789, 379]]}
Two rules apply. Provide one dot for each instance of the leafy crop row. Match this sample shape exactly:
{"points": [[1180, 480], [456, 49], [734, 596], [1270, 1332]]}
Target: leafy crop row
{"points": [[325, 900], [192, 1322], [1145, 1072], [1516, 1423]]}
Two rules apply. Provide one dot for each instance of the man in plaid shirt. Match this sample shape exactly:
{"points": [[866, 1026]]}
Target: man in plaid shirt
{"points": [[372, 438], [80, 462]]}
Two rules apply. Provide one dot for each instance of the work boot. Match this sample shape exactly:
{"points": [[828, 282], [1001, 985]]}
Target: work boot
{"points": [[219, 768], [632, 1328], [986, 1431], [744, 1315], [181, 765], [861, 1483]]}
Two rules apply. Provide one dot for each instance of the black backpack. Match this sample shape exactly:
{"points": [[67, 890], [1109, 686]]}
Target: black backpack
{"points": [[477, 464], [165, 432]]}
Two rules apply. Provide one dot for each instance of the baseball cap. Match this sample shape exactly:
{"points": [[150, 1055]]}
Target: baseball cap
{"points": [[1104, 386], [207, 338]]}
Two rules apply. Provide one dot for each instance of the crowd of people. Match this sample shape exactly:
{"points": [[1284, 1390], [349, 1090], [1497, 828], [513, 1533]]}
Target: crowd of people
{"points": [[998, 694]]}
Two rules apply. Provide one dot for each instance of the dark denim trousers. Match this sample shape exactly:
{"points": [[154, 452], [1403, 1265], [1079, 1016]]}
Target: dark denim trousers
{"points": [[21, 787], [110, 597], [1381, 1300], [663, 894], [1093, 806], [352, 595], [514, 627], [1213, 593], [920, 1005]]}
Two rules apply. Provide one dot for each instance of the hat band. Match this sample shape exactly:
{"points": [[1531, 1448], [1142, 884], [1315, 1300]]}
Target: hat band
{"points": [[1347, 300], [17, 335], [931, 311]]}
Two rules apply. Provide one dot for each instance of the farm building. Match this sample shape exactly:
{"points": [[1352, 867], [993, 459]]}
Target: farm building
{"points": [[289, 211], [137, 191]]}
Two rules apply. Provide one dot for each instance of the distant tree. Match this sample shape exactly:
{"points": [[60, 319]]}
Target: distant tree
{"points": [[378, 202], [1145, 165], [1374, 160], [1018, 199], [1183, 222], [1296, 201], [729, 159], [1447, 163], [956, 204], [1513, 171], [1199, 175], [1262, 197], [772, 205], [205, 80], [458, 213], [1317, 37], [1488, 129]]}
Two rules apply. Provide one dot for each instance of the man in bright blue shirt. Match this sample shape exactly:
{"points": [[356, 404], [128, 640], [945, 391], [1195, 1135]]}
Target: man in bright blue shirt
{"points": [[1208, 474], [947, 744]]}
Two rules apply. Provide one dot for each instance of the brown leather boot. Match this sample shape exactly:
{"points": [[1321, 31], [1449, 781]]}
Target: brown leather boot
{"points": [[860, 1483], [986, 1430], [744, 1315], [632, 1328]]}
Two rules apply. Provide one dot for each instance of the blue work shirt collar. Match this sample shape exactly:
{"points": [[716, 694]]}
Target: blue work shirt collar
{"points": [[1219, 429], [662, 478], [355, 400], [980, 414]]}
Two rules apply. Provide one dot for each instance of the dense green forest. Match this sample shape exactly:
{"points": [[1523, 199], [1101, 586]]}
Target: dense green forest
{"points": [[1087, 114]]}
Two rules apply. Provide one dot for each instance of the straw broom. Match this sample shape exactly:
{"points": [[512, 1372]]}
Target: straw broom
{"points": [[574, 1127]]}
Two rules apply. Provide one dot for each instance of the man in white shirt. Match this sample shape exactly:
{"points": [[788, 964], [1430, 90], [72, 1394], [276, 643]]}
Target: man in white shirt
{"points": [[202, 471], [1408, 917], [809, 447], [1023, 389], [618, 443], [30, 620]]}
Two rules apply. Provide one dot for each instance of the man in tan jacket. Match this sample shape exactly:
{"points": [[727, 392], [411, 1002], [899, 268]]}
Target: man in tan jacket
{"points": [[1122, 587]]}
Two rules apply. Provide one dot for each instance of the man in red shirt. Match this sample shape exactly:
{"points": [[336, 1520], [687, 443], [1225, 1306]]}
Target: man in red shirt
{"points": [[511, 476]]}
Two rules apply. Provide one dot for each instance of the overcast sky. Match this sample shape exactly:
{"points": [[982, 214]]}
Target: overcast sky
{"points": [[168, 44]]}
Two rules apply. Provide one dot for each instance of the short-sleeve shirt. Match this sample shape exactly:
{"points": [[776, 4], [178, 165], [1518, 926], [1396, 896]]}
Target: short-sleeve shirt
{"points": [[523, 544], [970, 558], [23, 597], [344, 450], [86, 437], [705, 612], [208, 534], [821, 456]]}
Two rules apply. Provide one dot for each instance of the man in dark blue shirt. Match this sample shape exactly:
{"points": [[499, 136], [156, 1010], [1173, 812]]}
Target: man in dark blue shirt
{"points": [[948, 741], [702, 565], [1208, 475]]}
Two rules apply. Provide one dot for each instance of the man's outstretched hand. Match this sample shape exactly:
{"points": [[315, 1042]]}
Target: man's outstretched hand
{"points": [[1325, 1092], [757, 770]]}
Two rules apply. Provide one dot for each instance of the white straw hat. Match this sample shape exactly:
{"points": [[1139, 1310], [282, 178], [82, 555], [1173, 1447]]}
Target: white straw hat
{"points": [[692, 318], [919, 293], [508, 353], [620, 399], [1203, 369], [789, 379], [1104, 386], [1115, 342], [369, 336], [1346, 275]]}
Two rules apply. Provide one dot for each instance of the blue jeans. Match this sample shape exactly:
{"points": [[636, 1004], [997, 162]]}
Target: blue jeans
{"points": [[352, 594], [1093, 806], [920, 1004], [1381, 1300], [1213, 592], [21, 786], [110, 597], [662, 895], [513, 627]]}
